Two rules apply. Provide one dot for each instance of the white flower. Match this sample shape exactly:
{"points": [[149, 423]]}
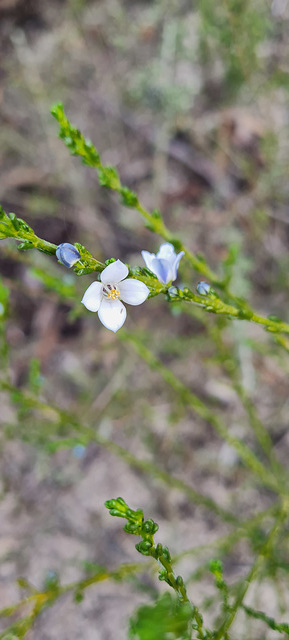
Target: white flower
{"points": [[105, 296], [165, 264]]}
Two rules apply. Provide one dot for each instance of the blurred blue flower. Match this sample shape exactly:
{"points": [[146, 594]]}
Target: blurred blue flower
{"points": [[78, 451], [67, 254]]}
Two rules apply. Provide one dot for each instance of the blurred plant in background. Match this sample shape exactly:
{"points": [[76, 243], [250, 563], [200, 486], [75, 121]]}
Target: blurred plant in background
{"points": [[185, 412]]}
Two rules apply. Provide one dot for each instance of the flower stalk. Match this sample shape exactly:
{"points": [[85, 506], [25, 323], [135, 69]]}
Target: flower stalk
{"points": [[13, 227]]}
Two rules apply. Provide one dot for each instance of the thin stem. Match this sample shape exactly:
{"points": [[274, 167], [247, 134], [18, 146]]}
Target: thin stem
{"points": [[248, 457], [86, 434], [230, 367], [265, 551]]}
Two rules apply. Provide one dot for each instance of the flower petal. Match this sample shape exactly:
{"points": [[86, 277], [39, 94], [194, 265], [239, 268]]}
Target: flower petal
{"points": [[133, 291], [166, 252], [112, 314], [163, 270], [176, 264], [114, 272], [93, 296], [148, 258]]}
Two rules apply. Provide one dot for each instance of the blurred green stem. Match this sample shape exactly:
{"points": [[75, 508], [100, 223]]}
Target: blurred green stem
{"points": [[263, 554], [230, 364], [247, 456], [85, 435]]}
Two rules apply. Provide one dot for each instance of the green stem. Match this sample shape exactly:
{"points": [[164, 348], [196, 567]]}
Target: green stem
{"points": [[243, 530], [40, 600], [16, 228], [147, 547], [265, 551], [86, 435], [230, 367], [213, 304], [248, 457]]}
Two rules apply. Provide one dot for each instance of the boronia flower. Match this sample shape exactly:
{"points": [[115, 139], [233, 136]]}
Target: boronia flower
{"points": [[105, 296], [165, 263], [67, 254]]}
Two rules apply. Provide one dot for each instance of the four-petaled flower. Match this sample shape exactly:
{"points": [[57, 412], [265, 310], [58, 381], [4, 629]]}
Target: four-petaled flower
{"points": [[165, 264], [105, 296]]}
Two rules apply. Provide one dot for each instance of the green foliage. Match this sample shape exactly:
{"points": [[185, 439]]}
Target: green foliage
{"points": [[74, 140], [64, 287], [163, 620], [282, 627], [4, 299], [231, 31], [174, 622], [147, 547], [13, 227]]}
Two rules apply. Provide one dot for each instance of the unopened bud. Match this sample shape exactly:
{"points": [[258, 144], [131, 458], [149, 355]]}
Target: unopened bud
{"points": [[67, 254], [203, 288]]}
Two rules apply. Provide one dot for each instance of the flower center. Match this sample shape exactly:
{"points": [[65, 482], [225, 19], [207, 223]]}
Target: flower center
{"points": [[110, 291]]}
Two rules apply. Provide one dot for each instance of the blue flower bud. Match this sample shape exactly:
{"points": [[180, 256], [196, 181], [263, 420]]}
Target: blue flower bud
{"points": [[203, 288], [78, 451], [67, 254]]}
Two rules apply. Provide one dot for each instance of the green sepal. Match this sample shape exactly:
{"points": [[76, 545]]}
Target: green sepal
{"points": [[25, 245], [24, 226], [14, 221], [82, 250], [84, 271]]}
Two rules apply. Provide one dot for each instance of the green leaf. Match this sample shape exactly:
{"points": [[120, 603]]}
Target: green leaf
{"points": [[108, 177], [129, 198], [167, 618], [74, 140], [25, 245], [14, 221]]}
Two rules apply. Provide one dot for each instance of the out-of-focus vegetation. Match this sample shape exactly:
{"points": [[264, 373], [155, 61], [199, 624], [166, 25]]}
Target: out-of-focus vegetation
{"points": [[190, 104]]}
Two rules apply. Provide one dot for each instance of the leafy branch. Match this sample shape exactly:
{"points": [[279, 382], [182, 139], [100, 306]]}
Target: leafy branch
{"points": [[13, 227], [37, 600], [146, 529], [282, 627], [265, 474]]}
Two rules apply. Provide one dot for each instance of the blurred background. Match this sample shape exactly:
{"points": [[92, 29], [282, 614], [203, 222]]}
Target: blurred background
{"points": [[190, 102]]}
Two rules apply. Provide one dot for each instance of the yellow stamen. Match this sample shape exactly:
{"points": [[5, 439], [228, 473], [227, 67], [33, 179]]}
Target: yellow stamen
{"points": [[113, 294]]}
